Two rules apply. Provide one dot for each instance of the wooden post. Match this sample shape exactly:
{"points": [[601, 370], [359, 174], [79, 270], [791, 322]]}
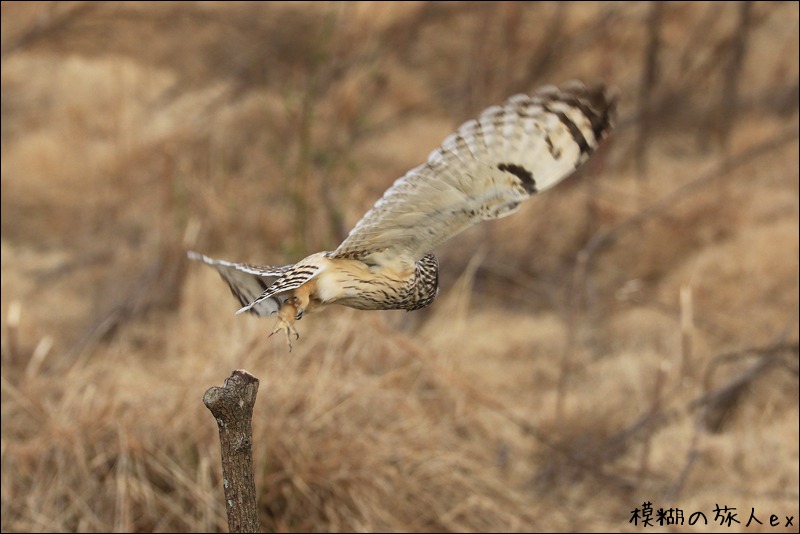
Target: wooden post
{"points": [[232, 407]]}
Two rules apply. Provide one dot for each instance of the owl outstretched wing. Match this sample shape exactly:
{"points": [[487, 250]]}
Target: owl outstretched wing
{"points": [[483, 171], [248, 282]]}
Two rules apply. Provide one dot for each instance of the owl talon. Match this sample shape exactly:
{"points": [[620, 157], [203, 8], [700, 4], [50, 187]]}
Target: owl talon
{"points": [[288, 328], [290, 311]]}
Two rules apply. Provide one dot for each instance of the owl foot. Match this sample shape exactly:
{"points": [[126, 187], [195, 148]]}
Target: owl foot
{"points": [[288, 328], [287, 315]]}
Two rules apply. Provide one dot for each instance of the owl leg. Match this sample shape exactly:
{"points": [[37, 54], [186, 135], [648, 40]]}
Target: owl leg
{"points": [[286, 318], [292, 310]]}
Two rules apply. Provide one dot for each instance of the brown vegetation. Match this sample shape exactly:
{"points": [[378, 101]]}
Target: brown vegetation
{"points": [[629, 336]]}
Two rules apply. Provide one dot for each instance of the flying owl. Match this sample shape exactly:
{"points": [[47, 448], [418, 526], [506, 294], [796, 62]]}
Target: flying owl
{"points": [[483, 171]]}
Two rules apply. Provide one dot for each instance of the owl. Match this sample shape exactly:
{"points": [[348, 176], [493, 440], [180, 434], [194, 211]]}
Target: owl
{"points": [[484, 171]]}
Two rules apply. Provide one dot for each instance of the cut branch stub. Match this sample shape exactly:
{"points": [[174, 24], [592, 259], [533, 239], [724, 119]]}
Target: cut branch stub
{"points": [[232, 407]]}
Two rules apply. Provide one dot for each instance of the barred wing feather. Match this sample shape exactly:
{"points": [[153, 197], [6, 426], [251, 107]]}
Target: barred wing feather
{"points": [[483, 172], [247, 282]]}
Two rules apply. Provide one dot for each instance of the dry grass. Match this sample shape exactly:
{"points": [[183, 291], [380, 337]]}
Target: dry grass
{"points": [[630, 336]]}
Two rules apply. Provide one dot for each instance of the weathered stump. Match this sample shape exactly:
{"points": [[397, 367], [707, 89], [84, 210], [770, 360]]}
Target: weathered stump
{"points": [[232, 407]]}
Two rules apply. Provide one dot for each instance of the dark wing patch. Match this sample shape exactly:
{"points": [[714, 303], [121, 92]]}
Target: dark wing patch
{"points": [[525, 176]]}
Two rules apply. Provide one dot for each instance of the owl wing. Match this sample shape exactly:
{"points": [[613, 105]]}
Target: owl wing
{"points": [[248, 283], [483, 171]]}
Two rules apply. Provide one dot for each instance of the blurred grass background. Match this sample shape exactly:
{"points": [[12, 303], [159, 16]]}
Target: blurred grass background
{"points": [[630, 336]]}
